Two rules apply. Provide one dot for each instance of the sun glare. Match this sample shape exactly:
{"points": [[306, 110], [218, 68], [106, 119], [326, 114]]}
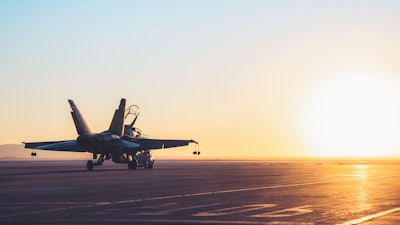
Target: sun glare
{"points": [[356, 114]]}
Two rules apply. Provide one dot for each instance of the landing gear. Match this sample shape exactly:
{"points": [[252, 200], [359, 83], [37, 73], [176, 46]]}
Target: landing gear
{"points": [[132, 164], [90, 165], [148, 166]]}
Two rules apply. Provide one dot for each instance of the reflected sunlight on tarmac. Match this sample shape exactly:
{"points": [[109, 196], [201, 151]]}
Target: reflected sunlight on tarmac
{"points": [[202, 192]]}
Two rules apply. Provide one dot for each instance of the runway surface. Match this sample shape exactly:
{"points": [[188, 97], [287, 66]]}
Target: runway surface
{"points": [[201, 192]]}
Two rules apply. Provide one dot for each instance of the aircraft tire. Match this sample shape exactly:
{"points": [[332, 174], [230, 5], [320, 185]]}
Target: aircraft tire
{"points": [[89, 165], [132, 165], [129, 165]]}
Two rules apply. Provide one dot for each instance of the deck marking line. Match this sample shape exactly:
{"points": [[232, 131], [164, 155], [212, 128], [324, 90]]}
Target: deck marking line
{"points": [[197, 194], [246, 189], [371, 217], [168, 211]]}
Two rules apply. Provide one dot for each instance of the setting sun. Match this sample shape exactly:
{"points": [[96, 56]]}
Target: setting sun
{"points": [[356, 114]]}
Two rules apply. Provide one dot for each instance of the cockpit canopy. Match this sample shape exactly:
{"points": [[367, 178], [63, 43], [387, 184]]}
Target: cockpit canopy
{"points": [[132, 113]]}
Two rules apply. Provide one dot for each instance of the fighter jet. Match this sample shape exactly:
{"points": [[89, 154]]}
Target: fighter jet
{"points": [[120, 143]]}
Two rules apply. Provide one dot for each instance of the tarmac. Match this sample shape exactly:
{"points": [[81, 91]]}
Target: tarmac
{"points": [[201, 192]]}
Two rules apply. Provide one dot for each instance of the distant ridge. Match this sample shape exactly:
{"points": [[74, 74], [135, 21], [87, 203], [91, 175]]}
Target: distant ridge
{"points": [[13, 152]]}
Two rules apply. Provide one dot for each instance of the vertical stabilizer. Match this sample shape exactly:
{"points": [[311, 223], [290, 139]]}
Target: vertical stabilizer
{"points": [[80, 124], [117, 123]]}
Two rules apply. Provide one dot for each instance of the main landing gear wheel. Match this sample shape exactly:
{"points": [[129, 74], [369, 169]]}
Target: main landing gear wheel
{"points": [[90, 165], [148, 165], [132, 165]]}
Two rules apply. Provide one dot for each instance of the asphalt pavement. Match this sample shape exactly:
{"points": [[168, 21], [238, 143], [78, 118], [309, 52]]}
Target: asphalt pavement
{"points": [[201, 192]]}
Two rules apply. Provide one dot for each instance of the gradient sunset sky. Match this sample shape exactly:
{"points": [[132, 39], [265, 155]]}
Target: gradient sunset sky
{"points": [[244, 78]]}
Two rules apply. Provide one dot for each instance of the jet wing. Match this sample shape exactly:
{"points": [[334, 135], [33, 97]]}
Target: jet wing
{"points": [[149, 144], [69, 146]]}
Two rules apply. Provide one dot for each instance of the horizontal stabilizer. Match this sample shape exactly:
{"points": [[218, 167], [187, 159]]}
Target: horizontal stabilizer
{"points": [[69, 146]]}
